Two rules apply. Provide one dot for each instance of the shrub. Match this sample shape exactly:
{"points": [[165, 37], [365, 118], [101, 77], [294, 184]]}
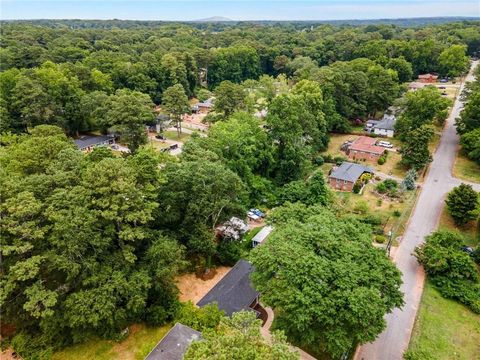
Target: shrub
{"points": [[461, 204], [451, 269], [200, 319], [379, 202], [339, 159], [374, 220], [328, 159], [156, 316], [381, 188], [409, 181], [390, 184], [361, 207], [381, 160], [397, 213], [319, 161], [380, 239], [357, 187], [229, 253]]}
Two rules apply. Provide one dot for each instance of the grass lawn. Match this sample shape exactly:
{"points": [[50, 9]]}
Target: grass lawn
{"points": [[136, 346], [173, 135], [466, 169], [391, 166], [470, 231], [385, 208], [157, 145], [445, 329]]}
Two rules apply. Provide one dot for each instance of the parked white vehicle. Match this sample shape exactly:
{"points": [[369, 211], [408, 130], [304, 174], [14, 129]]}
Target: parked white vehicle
{"points": [[385, 144]]}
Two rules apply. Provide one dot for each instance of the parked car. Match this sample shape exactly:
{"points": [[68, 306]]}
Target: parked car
{"points": [[258, 212], [443, 80], [385, 144], [160, 137], [468, 250], [444, 93], [173, 147], [253, 216], [442, 87]]}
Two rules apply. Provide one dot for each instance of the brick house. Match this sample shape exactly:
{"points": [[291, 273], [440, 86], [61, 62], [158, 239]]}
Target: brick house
{"points": [[344, 177], [364, 148], [427, 78]]}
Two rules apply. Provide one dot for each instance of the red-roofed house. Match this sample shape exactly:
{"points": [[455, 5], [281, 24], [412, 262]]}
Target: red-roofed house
{"points": [[364, 148], [427, 78]]}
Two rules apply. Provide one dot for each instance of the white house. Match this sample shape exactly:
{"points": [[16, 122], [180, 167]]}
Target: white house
{"points": [[383, 127]]}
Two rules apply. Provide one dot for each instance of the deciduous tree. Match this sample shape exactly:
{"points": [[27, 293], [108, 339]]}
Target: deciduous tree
{"points": [[304, 271], [462, 202]]}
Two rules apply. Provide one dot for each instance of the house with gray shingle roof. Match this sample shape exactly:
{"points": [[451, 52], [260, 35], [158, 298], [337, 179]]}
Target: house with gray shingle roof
{"points": [[344, 176], [234, 292], [382, 127], [174, 344]]}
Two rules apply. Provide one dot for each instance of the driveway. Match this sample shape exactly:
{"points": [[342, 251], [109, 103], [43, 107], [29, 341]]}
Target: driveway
{"points": [[393, 342]]}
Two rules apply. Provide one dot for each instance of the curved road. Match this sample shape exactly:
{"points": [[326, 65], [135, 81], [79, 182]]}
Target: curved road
{"points": [[391, 344]]}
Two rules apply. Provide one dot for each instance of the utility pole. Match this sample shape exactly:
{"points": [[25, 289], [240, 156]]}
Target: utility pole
{"points": [[389, 244]]}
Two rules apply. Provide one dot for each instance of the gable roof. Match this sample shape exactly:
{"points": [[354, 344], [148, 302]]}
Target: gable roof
{"points": [[366, 144], [262, 234], [428, 76], [234, 292], [174, 344], [350, 171], [387, 123], [89, 140]]}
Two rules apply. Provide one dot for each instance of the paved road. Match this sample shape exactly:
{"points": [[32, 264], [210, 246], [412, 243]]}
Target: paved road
{"points": [[392, 343]]}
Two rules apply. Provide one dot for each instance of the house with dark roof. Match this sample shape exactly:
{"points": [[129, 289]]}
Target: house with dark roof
{"points": [[88, 142], [365, 148], [344, 176], [383, 127], [174, 344], [234, 292]]}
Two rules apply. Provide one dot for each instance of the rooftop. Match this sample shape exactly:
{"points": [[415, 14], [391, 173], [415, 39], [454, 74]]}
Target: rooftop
{"points": [[90, 140], [387, 123], [174, 344], [350, 171], [235, 291], [262, 234], [366, 144]]}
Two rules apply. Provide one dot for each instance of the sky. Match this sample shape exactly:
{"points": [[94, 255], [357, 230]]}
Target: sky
{"points": [[235, 9]]}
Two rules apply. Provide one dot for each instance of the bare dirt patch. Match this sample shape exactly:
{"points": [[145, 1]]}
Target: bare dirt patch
{"points": [[192, 288]]}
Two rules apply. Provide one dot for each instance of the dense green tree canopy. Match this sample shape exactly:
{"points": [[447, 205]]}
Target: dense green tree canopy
{"points": [[421, 107], [451, 269], [453, 61], [329, 286], [462, 202], [78, 255], [239, 338], [175, 103], [415, 151]]}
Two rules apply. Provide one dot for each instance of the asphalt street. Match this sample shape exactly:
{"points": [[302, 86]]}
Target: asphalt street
{"points": [[393, 342]]}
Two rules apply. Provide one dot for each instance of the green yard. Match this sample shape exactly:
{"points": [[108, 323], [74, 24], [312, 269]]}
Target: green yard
{"points": [[394, 213], [466, 169], [173, 135], [136, 346], [470, 231], [391, 166], [444, 329]]}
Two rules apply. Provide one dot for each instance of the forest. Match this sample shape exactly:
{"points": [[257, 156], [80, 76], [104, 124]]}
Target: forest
{"points": [[92, 243]]}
